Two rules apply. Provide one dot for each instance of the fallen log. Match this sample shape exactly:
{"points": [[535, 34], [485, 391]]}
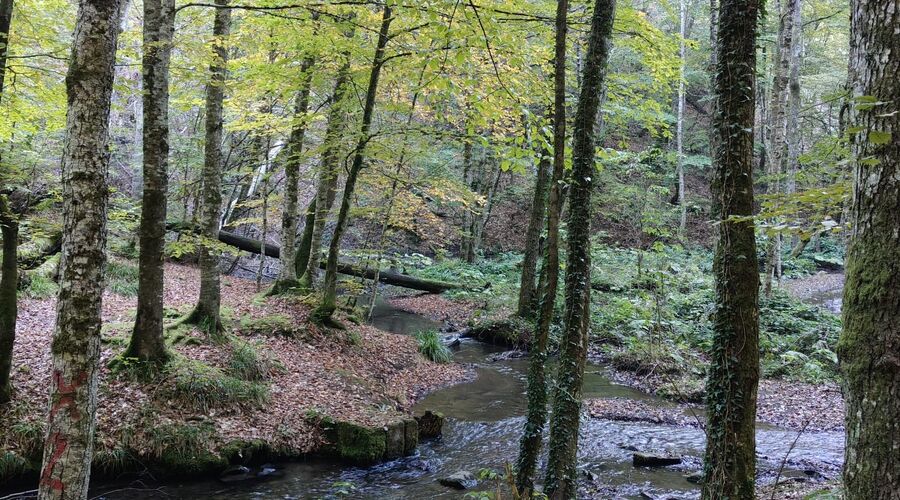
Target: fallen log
{"points": [[385, 276]]}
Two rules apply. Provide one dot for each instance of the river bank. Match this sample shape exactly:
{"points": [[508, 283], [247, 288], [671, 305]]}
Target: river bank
{"points": [[273, 388]]}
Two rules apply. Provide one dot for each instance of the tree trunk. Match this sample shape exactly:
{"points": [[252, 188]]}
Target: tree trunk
{"points": [[465, 246], [9, 280], [147, 343], [562, 475], [6, 8], [730, 461], [793, 108], [305, 239], [536, 417], [328, 174], [682, 50], [10, 227], [69, 443], [778, 127], [206, 313], [536, 218], [329, 300], [869, 348], [288, 277]]}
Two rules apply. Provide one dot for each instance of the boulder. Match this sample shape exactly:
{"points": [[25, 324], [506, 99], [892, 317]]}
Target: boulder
{"points": [[431, 424], [367, 445], [235, 474], [650, 460], [506, 355], [462, 480]]}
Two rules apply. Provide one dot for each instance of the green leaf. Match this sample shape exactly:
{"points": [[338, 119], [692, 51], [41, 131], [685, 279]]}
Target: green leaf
{"points": [[879, 137]]}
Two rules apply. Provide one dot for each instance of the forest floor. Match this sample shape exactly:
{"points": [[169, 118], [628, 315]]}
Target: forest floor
{"points": [[263, 388]]}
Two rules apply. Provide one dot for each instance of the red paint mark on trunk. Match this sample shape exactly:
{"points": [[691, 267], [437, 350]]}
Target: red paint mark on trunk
{"points": [[63, 397], [59, 445]]}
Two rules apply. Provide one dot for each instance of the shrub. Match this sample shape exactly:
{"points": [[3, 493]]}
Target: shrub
{"points": [[431, 347]]}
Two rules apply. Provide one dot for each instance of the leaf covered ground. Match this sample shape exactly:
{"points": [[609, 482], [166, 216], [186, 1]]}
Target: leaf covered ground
{"points": [[267, 382]]}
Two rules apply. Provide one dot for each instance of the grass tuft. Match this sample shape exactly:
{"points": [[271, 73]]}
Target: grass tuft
{"points": [[431, 347], [203, 387], [122, 278]]}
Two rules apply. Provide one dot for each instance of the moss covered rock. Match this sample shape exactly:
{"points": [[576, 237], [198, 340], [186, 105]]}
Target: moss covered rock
{"points": [[511, 332], [365, 445]]}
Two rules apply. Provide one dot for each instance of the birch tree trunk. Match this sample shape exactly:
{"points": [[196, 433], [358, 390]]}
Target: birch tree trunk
{"points": [[733, 375], [69, 443], [206, 313], [324, 311], [869, 349], [147, 343], [536, 416], [562, 474], [288, 277]]}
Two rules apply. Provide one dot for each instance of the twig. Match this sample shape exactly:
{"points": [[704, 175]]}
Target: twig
{"points": [[786, 455]]}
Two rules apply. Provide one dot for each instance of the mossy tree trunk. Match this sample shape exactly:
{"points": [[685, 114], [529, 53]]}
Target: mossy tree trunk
{"points": [[730, 460], [328, 173], [75, 347], [325, 310], [6, 9], [305, 239], [206, 313], [9, 278], [147, 343], [536, 418], [527, 283], [287, 279], [869, 348], [562, 475]]}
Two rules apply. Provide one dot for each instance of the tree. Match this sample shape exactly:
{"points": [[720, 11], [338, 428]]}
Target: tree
{"points": [[778, 129], [329, 300], [147, 342], [730, 459], [328, 173], [206, 313], [562, 474], [288, 277], [682, 51], [869, 348], [536, 217], [10, 229], [9, 279], [75, 348], [536, 417]]}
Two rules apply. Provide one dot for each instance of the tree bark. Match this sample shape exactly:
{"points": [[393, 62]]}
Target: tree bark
{"points": [[147, 342], [288, 277], [869, 349], [527, 291], [305, 239], [329, 300], [328, 174], [536, 417], [9, 280], [562, 475], [6, 9], [69, 443], [682, 51], [778, 127], [206, 313], [733, 375]]}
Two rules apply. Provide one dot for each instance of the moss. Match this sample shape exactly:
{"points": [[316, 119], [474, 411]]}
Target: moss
{"points": [[273, 324], [245, 451], [356, 443]]}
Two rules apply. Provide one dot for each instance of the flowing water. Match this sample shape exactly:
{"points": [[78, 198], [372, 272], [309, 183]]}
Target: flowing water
{"points": [[484, 421]]}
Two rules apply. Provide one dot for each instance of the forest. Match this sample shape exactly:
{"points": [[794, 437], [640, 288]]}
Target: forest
{"points": [[481, 249]]}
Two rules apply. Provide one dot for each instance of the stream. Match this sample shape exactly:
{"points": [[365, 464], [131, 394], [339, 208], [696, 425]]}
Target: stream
{"points": [[484, 421]]}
